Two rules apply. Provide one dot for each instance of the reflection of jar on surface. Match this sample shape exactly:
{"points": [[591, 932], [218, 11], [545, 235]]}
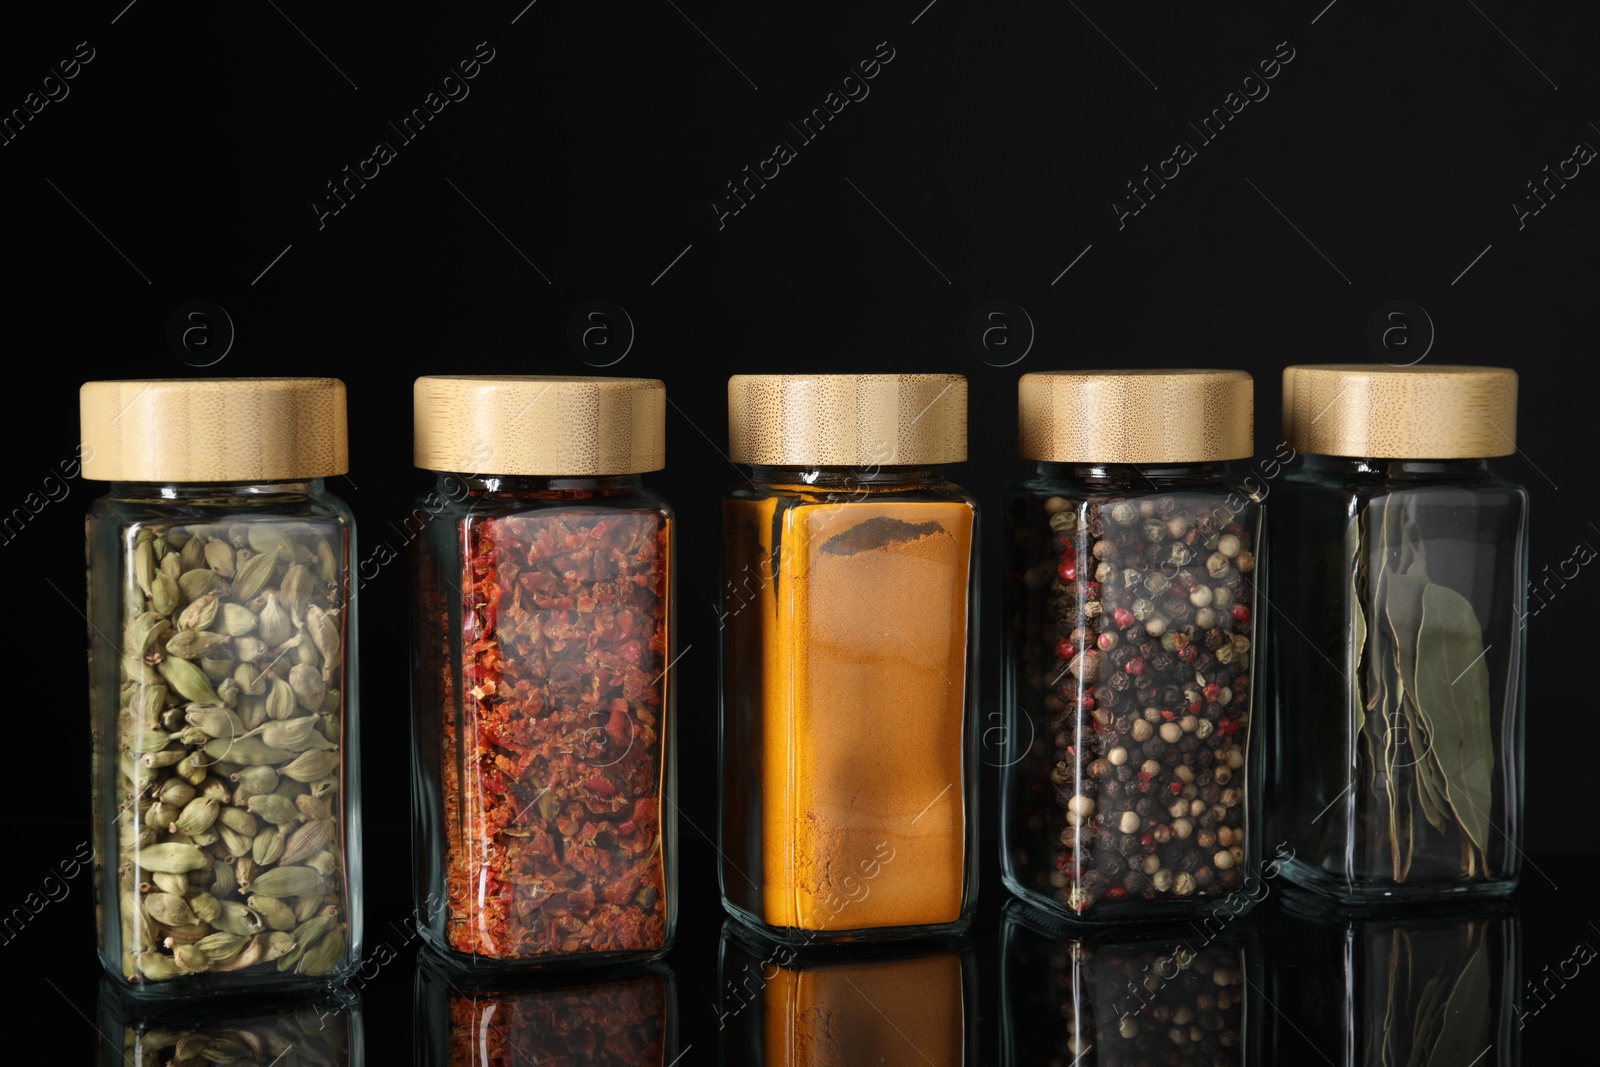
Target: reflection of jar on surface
{"points": [[1399, 688], [847, 744], [623, 1016], [543, 764], [221, 633], [281, 1030], [782, 1005], [1108, 996], [1131, 645], [1432, 986]]}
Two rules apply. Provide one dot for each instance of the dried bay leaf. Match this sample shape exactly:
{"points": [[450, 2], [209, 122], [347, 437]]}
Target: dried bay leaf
{"points": [[1453, 690]]}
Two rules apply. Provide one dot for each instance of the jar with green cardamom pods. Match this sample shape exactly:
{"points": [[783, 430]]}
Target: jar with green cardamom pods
{"points": [[221, 684]]}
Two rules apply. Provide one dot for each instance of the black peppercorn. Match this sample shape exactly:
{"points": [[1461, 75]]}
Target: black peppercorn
{"points": [[1111, 864]]}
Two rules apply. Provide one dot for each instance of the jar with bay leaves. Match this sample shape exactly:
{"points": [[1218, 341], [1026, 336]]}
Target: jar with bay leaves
{"points": [[1400, 581], [221, 684], [543, 766], [1131, 646]]}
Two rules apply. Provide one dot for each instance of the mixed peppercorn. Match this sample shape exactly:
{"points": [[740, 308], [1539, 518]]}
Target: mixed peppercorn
{"points": [[1135, 636]]}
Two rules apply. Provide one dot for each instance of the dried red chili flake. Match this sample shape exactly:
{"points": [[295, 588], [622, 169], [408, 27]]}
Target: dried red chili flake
{"points": [[551, 767], [616, 1023]]}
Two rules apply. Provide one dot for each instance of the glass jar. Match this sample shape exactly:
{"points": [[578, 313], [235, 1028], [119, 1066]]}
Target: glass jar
{"points": [[1131, 645], [782, 1004], [285, 1030], [1401, 588], [543, 762], [619, 1016], [221, 682], [847, 746], [1135, 993], [1429, 985]]}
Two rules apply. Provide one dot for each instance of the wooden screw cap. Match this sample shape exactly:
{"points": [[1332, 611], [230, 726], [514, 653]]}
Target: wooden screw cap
{"points": [[1136, 416], [550, 425], [213, 429], [1371, 410], [847, 420]]}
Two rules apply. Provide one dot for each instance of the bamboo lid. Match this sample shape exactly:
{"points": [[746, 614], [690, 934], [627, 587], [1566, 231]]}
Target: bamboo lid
{"points": [[1136, 416], [213, 429], [552, 425], [1381, 412], [847, 420]]}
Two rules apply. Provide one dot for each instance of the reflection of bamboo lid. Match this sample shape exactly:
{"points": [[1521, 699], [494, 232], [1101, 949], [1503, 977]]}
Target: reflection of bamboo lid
{"points": [[1136, 416], [558, 426], [213, 429], [847, 420], [1376, 411]]}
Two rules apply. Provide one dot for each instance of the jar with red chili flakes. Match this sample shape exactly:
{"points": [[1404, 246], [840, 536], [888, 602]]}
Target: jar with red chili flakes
{"points": [[543, 763]]}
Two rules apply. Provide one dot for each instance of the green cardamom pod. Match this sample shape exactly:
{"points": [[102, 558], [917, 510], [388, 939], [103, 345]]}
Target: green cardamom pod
{"points": [[219, 557], [323, 786], [236, 843], [321, 957], [323, 626], [277, 914], [276, 624], [206, 907], [313, 807], [145, 635], [327, 562], [273, 808], [280, 700], [295, 590], [253, 781], [244, 751], [221, 947], [248, 956], [251, 682], [306, 682], [197, 584], [267, 848], [144, 562], [177, 884], [192, 554], [192, 959], [223, 882], [228, 690], [192, 644], [239, 821], [325, 863], [164, 596], [215, 720], [188, 681], [279, 944], [249, 649], [254, 575], [237, 620], [215, 788], [169, 909], [288, 882], [144, 742], [169, 856], [311, 766], [235, 918], [175, 791], [197, 815], [306, 841]]}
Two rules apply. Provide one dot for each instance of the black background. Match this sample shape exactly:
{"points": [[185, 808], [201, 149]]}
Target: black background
{"points": [[184, 163]]}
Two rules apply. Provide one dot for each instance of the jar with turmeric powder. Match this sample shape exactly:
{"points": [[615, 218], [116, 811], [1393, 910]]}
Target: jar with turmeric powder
{"points": [[847, 742], [542, 764], [1131, 646]]}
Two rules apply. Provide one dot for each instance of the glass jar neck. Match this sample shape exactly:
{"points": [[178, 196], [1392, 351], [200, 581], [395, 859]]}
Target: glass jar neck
{"points": [[847, 477], [536, 485], [1135, 473], [207, 492], [1432, 469]]}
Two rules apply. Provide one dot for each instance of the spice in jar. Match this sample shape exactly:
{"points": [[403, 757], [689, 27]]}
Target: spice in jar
{"points": [[222, 771], [1133, 615], [543, 687], [846, 763]]}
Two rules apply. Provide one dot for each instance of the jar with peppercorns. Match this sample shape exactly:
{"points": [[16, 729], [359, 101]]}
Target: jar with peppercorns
{"points": [[1131, 646], [543, 761]]}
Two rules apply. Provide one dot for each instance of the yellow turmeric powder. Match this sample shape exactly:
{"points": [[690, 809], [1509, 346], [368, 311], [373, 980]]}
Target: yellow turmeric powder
{"points": [[894, 1012], [845, 707]]}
